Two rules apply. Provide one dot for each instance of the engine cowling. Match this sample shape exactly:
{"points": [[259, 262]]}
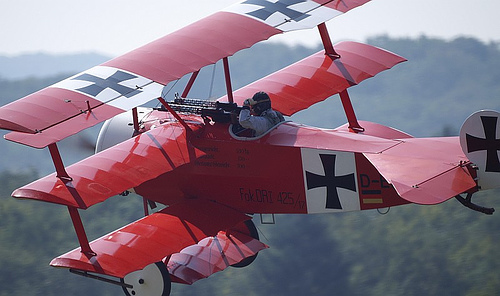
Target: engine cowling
{"points": [[118, 129]]}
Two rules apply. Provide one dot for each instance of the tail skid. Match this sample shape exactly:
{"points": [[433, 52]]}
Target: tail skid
{"points": [[467, 201]]}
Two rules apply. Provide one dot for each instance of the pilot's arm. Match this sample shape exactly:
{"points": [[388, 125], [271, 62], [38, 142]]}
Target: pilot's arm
{"points": [[259, 124]]}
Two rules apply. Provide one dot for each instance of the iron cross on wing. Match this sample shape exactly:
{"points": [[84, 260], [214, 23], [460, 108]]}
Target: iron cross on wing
{"points": [[490, 143], [330, 181], [270, 8], [112, 82]]}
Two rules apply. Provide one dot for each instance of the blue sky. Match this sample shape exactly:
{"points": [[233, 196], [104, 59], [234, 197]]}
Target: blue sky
{"points": [[114, 27]]}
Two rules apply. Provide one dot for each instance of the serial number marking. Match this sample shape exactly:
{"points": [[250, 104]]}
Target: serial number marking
{"points": [[286, 198], [268, 196], [256, 195], [371, 186]]}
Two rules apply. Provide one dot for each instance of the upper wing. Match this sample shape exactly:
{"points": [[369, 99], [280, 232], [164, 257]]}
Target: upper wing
{"points": [[425, 170], [318, 76], [117, 169], [155, 237], [132, 79]]}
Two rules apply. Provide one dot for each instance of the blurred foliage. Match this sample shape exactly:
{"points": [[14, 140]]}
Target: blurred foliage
{"points": [[444, 249], [33, 233]]}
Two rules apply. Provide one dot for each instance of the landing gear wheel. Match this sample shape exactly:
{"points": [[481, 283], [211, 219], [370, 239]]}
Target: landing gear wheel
{"points": [[153, 280], [249, 229]]}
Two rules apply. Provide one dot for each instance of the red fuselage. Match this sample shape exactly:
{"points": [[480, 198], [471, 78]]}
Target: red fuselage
{"points": [[292, 169]]}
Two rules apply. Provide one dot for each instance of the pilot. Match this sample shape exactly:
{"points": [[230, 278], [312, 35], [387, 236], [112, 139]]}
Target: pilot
{"points": [[265, 117]]}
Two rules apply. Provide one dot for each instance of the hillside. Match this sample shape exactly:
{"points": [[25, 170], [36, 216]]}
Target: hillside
{"points": [[42, 65], [413, 250]]}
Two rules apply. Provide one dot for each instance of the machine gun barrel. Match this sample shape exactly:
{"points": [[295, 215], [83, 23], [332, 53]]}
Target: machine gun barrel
{"points": [[216, 111], [228, 107]]}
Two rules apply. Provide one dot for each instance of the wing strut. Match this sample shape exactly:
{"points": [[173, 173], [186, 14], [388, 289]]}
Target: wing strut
{"points": [[73, 212], [172, 111], [327, 42], [58, 163], [135, 118], [344, 95], [349, 112], [190, 84], [228, 80], [80, 232]]}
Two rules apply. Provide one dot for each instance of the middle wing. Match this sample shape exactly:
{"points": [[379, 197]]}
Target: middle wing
{"points": [[118, 168]]}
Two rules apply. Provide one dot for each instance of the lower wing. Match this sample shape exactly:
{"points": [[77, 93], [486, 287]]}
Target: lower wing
{"points": [[185, 233]]}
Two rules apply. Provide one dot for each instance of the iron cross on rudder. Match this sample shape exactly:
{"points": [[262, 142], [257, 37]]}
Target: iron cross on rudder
{"points": [[490, 143]]}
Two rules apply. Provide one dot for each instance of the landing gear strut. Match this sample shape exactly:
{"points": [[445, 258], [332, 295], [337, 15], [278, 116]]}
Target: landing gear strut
{"points": [[247, 228]]}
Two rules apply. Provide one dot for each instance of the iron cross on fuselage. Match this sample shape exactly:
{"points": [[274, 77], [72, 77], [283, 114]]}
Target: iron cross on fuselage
{"points": [[330, 181], [490, 143]]}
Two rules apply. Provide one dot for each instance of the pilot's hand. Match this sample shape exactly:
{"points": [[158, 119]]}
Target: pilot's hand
{"points": [[234, 117]]}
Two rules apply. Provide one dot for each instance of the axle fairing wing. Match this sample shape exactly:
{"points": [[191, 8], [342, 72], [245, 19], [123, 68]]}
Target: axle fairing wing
{"points": [[211, 255], [127, 81], [320, 76], [117, 169]]}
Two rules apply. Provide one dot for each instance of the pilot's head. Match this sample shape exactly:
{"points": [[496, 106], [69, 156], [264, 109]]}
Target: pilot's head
{"points": [[260, 102]]}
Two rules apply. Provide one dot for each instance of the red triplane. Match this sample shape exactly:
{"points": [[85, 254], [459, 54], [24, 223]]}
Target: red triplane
{"points": [[177, 155]]}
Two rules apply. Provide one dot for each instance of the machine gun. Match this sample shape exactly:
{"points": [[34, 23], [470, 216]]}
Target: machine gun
{"points": [[216, 111]]}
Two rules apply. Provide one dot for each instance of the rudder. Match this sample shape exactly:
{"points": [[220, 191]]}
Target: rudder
{"points": [[480, 141]]}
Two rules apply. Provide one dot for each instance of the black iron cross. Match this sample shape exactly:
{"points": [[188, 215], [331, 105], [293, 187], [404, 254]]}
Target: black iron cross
{"points": [[282, 6], [111, 82], [330, 181], [491, 144]]}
